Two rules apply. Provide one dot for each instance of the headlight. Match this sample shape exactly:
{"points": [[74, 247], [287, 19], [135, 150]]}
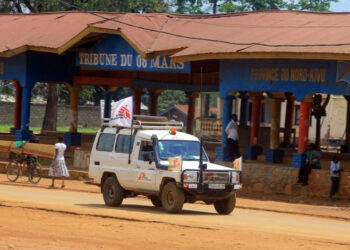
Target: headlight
{"points": [[235, 177], [190, 176]]}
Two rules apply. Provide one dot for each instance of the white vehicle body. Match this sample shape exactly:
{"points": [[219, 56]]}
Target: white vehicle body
{"points": [[138, 174]]}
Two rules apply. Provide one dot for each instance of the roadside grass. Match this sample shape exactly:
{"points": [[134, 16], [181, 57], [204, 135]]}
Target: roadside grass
{"points": [[7, 127]]}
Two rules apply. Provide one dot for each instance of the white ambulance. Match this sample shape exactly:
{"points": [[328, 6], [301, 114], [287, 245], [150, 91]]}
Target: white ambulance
{"points": [[155, 159]]}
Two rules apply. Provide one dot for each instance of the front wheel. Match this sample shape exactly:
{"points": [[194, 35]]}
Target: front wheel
{"points": [[225, 206], [35, 173], [113, 193], [172, 198], [13, 171], [156, 201]]}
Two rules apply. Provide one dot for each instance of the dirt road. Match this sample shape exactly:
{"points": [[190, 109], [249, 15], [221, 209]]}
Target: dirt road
{"points": [[59, 219]]}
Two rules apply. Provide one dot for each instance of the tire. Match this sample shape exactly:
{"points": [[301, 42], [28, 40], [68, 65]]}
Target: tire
{"points": [[113, 193], [172, 198], [35, 173], [13, 171], [225, 206], [156, 201]]}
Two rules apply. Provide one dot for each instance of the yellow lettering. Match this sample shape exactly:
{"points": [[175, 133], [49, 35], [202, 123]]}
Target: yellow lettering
{"points": [[298, 75], [285, 74]]}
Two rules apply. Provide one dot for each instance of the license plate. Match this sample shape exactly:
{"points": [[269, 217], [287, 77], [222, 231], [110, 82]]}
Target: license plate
{"points": [[216, 186], [237, 186]]}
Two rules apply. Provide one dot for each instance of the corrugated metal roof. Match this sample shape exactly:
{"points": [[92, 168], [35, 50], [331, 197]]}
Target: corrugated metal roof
{"points": [[270, 34]]}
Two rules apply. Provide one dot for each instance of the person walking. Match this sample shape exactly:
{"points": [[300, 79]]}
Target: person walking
{"points": [[312, 161], [232, 138], [58, 168], [335, 176]]}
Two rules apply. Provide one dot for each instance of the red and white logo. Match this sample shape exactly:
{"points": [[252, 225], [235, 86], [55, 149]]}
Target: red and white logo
{"points": [[125, 112]]}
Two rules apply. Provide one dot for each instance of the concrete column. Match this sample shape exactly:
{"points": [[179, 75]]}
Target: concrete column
{"points": [[25, 116], [153, 102], [18, 106], [191, 111], [347, 136], [304, 120], [73, 138], [226, 118], [275, 124], [136, 95], [220, 104], [288, 124], [24, 133], [243, 110], [255, 120]]}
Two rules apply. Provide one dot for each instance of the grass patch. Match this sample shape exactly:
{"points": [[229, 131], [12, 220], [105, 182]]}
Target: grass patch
{"points": [[7, 127]]}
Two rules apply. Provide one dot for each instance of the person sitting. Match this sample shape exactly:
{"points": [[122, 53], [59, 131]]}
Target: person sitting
{"points": [[335, 176], [312, 161]]}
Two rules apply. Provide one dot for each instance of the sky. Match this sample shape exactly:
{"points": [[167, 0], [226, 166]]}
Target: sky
{"points": [[341, 5]]}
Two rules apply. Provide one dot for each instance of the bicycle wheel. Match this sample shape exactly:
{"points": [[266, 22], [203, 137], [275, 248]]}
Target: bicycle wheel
{"points": [[35, 173], [13, 171]]}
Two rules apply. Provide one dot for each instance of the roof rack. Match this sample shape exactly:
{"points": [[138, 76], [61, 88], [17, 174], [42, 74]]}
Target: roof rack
{"points": [[148, 122]]}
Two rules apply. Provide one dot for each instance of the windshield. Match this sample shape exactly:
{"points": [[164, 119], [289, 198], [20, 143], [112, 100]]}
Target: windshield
{"points": [[189, 150]]}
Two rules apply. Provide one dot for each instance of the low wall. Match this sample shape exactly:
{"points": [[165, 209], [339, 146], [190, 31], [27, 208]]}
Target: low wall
{"points": [[269, 179], [88, 116]]}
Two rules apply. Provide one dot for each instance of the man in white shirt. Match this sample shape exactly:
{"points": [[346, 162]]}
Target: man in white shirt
{"points": [[335, 176], [232, 138]]}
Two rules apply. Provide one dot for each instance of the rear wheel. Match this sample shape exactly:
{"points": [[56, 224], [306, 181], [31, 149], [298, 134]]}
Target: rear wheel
{"points": [[35, 173], [113, 193], [225, 206], [156, 201], [172, 198], [13, 170]]}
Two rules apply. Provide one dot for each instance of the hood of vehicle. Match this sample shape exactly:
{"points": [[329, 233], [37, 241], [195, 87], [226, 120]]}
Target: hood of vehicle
{"points": [[195, 165]]}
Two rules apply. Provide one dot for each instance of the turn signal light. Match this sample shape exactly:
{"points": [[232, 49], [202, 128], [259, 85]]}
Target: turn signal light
{"points": [[173, 131]]}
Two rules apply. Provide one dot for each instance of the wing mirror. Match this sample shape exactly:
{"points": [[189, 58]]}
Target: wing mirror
{"points": [[148, 157]]}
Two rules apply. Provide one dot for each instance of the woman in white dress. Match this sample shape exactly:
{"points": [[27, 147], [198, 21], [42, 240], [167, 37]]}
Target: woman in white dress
{"points": [[58, 168]]}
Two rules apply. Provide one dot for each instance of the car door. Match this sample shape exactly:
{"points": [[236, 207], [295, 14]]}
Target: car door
{"points": [[146, 171], [103, 152], [121, 158]]}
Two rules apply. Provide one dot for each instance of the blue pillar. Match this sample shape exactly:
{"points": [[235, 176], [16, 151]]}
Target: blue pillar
{"points": [[221, 152], [108, 101], [24, 133]]}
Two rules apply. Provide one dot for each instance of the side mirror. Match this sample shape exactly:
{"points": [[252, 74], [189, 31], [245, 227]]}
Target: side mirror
{"points": [[147, 157]]}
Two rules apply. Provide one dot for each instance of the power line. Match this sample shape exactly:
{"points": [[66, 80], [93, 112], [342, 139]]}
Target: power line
{"points": [[199, 38]]}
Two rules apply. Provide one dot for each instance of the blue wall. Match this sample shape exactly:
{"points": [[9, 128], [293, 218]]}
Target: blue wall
{"points": [[300, 77]]}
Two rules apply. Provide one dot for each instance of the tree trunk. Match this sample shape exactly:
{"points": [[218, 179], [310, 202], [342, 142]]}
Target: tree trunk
{"points": [[50, 119]]}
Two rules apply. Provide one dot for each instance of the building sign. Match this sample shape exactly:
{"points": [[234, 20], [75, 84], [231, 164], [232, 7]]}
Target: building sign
{"points": [[314, 75], [343, 72], [114, 52], [2, 66]]}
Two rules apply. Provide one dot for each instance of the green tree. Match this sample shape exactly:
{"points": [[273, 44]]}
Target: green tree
{"points": [[171, 97]]}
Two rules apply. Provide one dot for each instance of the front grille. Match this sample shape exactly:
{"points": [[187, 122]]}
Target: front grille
{"points": [[216, 177]]}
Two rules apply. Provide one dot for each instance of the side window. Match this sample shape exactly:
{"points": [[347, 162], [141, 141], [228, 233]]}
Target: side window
{"points": [[145, 148], [105, 142], [123, 143]]}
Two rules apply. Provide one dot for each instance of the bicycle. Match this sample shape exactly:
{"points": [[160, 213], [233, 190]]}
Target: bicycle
{"points": [[16, 168]]}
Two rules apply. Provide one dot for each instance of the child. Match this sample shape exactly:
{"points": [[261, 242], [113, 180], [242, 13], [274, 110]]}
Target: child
{"points": [[335, 176], [58, 167]]}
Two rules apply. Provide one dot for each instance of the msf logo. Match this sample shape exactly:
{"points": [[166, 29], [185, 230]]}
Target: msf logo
{"points": [[124, 112]]}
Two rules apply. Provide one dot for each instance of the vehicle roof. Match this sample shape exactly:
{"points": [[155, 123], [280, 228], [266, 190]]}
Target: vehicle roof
{"points": [[147, 134], [165, 135]]}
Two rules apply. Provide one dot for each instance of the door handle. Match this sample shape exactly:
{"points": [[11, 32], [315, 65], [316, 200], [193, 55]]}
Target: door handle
{"points": [[137, 167], [97, 163]]}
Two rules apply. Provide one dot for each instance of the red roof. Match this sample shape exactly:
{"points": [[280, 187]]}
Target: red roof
{"points": [[269, 34]]}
